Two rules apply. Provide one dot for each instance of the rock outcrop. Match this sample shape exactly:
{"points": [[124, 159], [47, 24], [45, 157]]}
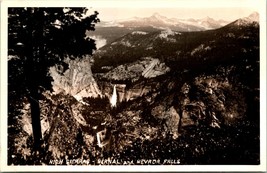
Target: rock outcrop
{"points": [[77, 80], [147, 67]]}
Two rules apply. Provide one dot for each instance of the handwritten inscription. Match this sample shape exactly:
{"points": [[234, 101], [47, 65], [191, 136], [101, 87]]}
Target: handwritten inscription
{"points": [[171, 162], [56, 162], [69, 162], [148, 161], [77, 162], [115, 162]]}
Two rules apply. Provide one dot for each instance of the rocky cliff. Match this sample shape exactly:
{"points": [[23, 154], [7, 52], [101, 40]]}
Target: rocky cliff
{"points": [[77, 80], [147, 67]]}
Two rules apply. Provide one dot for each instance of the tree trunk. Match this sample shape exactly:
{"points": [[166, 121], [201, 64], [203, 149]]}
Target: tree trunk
{"points": [[32, 74], [36, 120]]}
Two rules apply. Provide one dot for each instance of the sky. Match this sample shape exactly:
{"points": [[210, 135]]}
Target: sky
{"points": [[182, 9], [229, 14]]}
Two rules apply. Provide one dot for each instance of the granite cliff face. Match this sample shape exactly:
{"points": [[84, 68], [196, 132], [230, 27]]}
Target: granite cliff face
{"points": [[77, 80], [147, 67], [125, 92]]}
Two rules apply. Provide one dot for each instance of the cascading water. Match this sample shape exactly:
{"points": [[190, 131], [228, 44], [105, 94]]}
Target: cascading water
{"points": [[113, 100]]}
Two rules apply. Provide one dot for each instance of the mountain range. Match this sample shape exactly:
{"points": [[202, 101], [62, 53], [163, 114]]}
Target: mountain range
{"points": [[172, 44], [161, 22], [108, 32]]}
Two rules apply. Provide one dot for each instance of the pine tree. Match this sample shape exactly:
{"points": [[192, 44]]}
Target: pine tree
{"points": [[40, 38]]}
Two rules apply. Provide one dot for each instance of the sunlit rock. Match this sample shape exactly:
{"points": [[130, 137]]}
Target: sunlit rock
{"points": [[77, 81]]}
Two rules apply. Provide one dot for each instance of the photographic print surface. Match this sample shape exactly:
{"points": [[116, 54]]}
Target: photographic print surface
{"points": [[133, 85]]}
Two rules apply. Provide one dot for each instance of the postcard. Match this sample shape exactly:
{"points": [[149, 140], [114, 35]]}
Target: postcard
{"points": [[133, 85]]}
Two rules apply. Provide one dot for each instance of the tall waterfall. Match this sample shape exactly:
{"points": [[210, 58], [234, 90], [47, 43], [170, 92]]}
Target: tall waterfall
{"points": [[113, 100]]}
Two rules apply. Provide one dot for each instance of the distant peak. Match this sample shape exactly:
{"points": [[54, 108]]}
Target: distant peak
{"points": [[207, 19], [255, 13], [157, 15], [254, 16]]}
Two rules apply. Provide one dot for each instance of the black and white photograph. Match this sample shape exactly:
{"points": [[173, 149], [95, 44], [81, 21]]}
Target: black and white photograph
{"points": [[133, 83]]}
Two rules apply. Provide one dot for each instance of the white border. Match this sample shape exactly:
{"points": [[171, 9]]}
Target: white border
{"points": [[3, 88], [261, 4], [134, 4], [263, 84]]}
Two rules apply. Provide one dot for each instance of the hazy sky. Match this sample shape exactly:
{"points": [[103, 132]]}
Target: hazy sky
{"points": [[182, 9], [108, 14]]}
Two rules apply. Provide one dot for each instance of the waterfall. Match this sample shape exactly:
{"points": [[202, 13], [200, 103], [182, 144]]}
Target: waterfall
{"points": [[98, 139], [113, 99]]}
